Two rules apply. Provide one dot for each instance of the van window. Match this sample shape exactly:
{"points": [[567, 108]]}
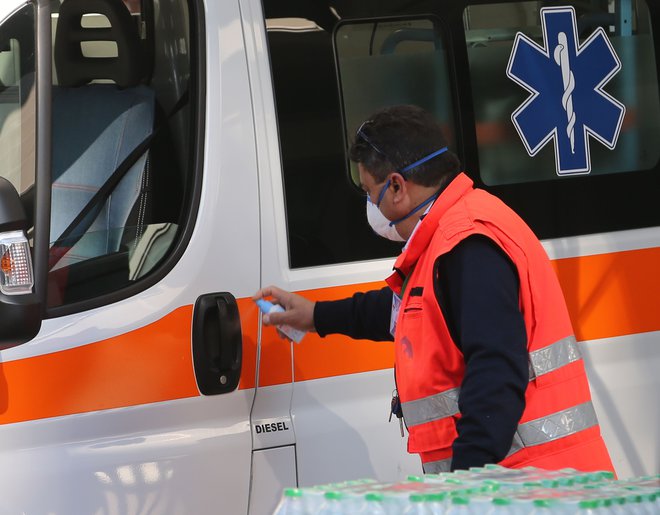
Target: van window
{"points": [[17, 99], [463, 61], [614, 185], [325, 214], [503, 159], [333, 66], [388, 62], [122, 79]]}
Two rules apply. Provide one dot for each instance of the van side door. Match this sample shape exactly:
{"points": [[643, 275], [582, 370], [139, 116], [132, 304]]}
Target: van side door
{"points": [[135, 395]]}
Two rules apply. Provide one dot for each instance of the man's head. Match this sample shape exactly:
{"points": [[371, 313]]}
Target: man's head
{"points": [[398, 136], [403, 163]]}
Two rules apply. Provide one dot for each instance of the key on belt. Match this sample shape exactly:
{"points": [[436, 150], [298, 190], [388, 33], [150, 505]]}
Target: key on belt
{"points": [[395, 409]]}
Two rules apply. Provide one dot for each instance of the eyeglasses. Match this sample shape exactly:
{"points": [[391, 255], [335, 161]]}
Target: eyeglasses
{"points": [[361, 134]]}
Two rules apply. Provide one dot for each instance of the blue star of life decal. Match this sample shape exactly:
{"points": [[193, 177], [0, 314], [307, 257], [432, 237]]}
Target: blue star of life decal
{"points": [[567, 102]]}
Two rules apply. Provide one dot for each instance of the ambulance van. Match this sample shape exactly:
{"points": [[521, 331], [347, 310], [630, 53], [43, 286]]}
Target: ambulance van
{"points": [[162, 160]]}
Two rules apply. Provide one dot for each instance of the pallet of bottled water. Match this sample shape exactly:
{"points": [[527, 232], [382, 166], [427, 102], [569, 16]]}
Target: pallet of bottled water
{"points": [[491, 490]]}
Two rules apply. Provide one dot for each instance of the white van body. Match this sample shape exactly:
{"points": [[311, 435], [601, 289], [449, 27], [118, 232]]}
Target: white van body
{"points": [[100, 412]]}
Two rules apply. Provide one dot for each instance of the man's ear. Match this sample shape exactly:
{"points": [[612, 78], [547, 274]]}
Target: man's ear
{"points": [[398, 185]]}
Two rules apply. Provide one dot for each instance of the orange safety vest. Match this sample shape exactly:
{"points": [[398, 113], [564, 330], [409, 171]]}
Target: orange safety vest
{"points": [[558, 427]]}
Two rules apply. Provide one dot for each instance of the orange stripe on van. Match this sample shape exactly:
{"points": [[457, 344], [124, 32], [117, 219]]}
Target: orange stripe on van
{"points": [[147, 365], [249, 319], [612, 294], [150, 364], [607, 295], [337, 355], [317, 357]]}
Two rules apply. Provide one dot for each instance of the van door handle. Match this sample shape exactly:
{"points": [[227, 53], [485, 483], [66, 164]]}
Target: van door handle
{"points": [[217, 343]]}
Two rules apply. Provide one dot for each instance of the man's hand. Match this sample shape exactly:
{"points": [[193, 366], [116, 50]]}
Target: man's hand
{"points": [[299, 312]]}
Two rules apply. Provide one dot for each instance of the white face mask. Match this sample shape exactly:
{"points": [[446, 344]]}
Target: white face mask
{"points": [[377, 220], [381, 225]]}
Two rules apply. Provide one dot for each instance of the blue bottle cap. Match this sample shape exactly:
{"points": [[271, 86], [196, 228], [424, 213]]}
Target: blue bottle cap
{"points": [[264, 305]]}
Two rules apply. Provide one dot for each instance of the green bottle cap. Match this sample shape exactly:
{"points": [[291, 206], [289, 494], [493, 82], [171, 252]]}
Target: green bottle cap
{"points": [[501, 501], [543, 503], [490, 486], [334, 496], [417, 498], [374, 497], [437, 496], [586, 504], [416, 479], [606, 474], [460, 500], [292, 492]]}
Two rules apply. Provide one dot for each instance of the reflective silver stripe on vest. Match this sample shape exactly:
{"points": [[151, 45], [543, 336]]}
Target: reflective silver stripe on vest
{"points": [[445, 404], [435, 407], [435, 467], [555, 426], [553, 356]]}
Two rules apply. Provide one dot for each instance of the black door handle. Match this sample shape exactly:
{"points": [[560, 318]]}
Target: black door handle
{"points": [[217, 343]]}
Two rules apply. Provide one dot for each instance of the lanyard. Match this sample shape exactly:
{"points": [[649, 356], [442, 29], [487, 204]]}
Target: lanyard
{"points": [[405, 282]]}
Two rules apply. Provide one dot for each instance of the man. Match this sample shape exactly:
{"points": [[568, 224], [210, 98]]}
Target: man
{"points": [[487, 367]]}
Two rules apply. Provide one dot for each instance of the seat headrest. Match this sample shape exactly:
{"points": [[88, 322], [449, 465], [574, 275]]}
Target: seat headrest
{"points": [[73, 68]]}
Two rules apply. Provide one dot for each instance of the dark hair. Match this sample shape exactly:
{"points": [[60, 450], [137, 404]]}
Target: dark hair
{"points": [[396, 137]]}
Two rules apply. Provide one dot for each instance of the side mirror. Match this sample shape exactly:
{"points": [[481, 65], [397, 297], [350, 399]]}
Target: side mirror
{"points": [[20, 309]]}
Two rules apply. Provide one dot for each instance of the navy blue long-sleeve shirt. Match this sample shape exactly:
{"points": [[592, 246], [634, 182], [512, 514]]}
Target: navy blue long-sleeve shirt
{"points": [[477, 288]]}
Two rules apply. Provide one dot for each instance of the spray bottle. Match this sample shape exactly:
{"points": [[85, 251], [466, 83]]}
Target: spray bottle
{"points": [[288, 331]]}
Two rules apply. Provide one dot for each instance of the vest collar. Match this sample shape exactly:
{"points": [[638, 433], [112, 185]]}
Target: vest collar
{"points": [[423, 233]]}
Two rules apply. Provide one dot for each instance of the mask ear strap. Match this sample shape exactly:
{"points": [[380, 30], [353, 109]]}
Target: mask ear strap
{"points": [[382, 192], [423, 160], [427, 201]]}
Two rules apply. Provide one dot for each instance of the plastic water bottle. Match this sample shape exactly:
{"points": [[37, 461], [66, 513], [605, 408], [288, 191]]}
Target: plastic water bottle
{"points": [[268, 307], [618, 505], [292, 503], [587, 507], [480, 502], [372, 505], [501, 506], [332, 504], [416, 505], [605, 506], [633, 504], [653, 505], [459, 506], [543, 507], [642, 504], [602, 506], [437, 502]]}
